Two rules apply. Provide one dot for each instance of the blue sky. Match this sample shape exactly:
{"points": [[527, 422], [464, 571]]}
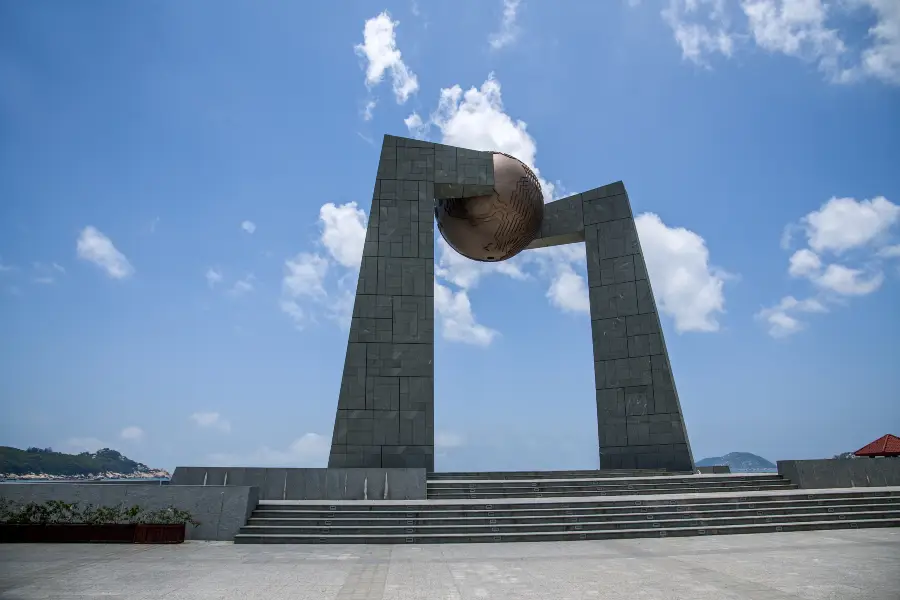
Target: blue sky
{"points": [[178, 238]]}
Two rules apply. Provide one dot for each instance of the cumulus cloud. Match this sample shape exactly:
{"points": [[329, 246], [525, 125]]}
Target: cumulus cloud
{"points": [[844, 223], [343, 232], [782, 319], [509, 29], [701, 28], [248, 226], [815, 31], [132, 434], [568, 291], [310, 450], [95, 247], [476, 119], [856, 232], [304, 277], [379, 49], [211, 420], [686, 286], [457, 320]]}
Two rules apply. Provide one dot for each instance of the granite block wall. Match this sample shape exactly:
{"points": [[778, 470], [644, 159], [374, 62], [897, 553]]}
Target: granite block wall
{"points": [[639, 418], [311, 484], [841, 473], [385, 412]]}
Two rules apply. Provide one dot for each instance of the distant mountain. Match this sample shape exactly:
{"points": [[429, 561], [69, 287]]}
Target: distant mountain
{"points": [[739, 462], [44, 462]]}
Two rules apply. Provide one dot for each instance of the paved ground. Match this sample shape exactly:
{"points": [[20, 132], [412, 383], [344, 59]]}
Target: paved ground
{"points": [[837, 565]]}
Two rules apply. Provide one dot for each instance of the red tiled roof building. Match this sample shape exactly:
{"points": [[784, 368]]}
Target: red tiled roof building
{"points": [[886, 445]]}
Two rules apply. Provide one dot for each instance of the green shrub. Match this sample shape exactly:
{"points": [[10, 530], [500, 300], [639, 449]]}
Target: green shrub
{"points": [[57, 512]]}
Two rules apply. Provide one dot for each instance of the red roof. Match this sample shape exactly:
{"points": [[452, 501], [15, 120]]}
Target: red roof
{"points": [[886, 445]]}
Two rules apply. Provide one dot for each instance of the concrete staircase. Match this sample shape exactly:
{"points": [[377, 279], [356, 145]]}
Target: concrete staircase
{"points": [[598, 505]]}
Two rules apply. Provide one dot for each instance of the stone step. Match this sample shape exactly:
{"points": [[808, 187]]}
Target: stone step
{"points": [[537, 505], [623, 480], [576, 474], [595, 491], [589, 484], [535, 536], [264, 518], [561, 525]]}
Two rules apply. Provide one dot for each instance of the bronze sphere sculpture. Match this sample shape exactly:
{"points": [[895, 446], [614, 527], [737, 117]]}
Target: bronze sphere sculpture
{"points": [[497, 226]]}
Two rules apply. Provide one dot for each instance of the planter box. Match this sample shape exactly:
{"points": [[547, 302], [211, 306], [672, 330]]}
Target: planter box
{"points": [[80, 533]]}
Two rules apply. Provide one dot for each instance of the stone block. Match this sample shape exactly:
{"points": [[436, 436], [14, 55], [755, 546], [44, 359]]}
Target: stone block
{"points": [[610, 403], [276, 480], [639, 400], [610, 301], [383, 393], [602, 210], [609, 339]]}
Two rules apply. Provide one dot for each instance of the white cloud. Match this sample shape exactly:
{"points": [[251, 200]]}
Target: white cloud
{"points": [[248, 226], [844, 223], [466, 273], [568, 291], [343, 232], [782, 318], [417, 128], [701, 27], [379, 48], [847, 281], [509, 29], [211, 420], [93, 246], [457, 320], [213, 277], [369, 110], [804, 263], [796, 28], [310, 450], [447, 439], [810, 30], [132, 433], [243, 286], [304, 277], [890, 251], [686, 287], [476, 120]]}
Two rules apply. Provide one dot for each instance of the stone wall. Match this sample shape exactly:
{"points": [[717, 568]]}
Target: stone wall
{"points": [[221, 511], [841, 473], [311, 484]]}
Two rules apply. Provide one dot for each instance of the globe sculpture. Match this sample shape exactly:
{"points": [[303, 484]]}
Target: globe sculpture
{"points": [[498, 226]]}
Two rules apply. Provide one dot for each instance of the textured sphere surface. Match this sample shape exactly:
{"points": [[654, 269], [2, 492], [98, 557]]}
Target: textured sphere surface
{"points": [[498, 226]]}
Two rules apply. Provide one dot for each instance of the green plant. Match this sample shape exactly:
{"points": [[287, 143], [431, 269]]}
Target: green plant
{"points": [[58, 512], [169, 516]]}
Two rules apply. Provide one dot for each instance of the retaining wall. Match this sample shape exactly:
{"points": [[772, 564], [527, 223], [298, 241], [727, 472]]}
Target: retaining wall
{"points": [[221, 511], [312, 484], [841, 473]]}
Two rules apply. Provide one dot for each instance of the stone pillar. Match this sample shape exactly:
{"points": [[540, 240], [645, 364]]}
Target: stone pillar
{"points": [[385, 413], [639, 419]]}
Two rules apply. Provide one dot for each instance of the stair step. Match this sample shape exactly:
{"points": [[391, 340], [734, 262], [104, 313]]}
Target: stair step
{"points": [[594, 491], [504, 517], [576, 474], [583, 525], [419, 538]]}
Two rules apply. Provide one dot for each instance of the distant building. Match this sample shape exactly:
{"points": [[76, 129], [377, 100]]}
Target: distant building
{"points": [[886, 445]]}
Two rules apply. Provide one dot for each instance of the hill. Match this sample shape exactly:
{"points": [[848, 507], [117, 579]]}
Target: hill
{"points": [[739, 462], [44, 461]]}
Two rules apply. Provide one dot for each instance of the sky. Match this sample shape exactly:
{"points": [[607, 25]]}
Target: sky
{"points": [[184, 188]]}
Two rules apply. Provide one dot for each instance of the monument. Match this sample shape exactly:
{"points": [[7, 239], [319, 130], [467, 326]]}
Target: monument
{"points": [[489, 207]]}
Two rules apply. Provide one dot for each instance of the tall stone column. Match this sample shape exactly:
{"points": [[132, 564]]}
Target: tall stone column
{"points": [[639, 419], [385, 413]]}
